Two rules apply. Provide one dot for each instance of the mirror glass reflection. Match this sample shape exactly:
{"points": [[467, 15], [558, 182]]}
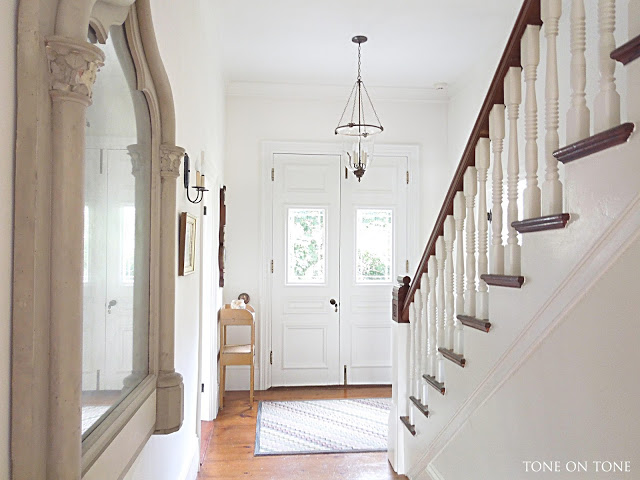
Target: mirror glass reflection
{"points": [[116, 235]]}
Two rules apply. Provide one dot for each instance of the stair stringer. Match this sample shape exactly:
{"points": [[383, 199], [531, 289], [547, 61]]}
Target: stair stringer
{"points": [[601, 193]]}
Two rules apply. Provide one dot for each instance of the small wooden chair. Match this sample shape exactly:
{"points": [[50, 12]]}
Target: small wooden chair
{"points": [[236, 354]]}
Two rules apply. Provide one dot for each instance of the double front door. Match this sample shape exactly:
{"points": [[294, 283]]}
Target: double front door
{"points": [[338, 245]]}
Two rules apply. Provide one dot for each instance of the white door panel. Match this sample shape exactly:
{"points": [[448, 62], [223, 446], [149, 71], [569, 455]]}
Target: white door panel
{"points": [[373, 253], [306, 225]]}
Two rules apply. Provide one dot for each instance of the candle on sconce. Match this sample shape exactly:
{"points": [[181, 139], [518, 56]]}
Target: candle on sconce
{"points": [[198, 179], [202, 181]]}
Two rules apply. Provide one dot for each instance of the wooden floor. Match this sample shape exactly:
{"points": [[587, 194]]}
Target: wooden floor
{"points": [[230, 452]]}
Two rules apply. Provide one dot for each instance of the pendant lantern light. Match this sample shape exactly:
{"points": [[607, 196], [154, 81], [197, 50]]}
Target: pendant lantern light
{"points": [[359, 128]]}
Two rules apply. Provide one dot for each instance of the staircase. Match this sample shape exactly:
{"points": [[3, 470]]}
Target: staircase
{"points": [[504, 267]]}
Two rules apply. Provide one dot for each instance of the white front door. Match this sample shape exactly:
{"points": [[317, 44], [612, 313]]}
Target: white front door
{"points": [[373, 251], [306, 246], [337, 246]]}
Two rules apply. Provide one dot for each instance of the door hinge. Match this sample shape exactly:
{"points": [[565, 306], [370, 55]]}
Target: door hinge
{"points": [[407, 177], [345, 374], [273, 174], [202, 388], [407, 266], [346, 173], [271, 266], [271, 357], [205, 210]]}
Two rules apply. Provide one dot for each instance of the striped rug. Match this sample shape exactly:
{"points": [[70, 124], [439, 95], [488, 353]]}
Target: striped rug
{"points": [[322, 426]]}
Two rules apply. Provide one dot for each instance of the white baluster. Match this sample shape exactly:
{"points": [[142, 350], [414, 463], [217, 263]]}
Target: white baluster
{"points": [[459, 214], [417, 382], [496, 134], [470, 191], [482, 166], [412, 353], [530, 54], [440, 252], [606, 109], [512, 99], [551, 10], [424, 357], [634, 18], [432, 266], [449, 237], [578, 116]]}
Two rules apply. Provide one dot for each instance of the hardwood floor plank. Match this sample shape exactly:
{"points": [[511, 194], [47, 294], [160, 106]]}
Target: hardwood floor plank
{"points": [[230, 452]]}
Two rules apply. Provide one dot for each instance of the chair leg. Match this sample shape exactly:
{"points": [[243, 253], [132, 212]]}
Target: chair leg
{"points": [[223, 370], [251, 385]]}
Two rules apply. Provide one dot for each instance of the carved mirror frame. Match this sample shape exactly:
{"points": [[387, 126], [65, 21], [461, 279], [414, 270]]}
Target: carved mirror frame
{"points": [[56, 69]]}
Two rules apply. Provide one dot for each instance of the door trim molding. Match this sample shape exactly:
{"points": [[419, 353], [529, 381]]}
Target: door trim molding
{"points": [[268, 150]]}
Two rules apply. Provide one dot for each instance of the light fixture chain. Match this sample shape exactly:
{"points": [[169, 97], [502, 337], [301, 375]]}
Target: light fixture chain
{"points": [[359, 60]]}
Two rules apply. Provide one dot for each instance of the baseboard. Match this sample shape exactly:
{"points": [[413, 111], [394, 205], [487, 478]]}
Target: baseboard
{"points": [[192, 465]]}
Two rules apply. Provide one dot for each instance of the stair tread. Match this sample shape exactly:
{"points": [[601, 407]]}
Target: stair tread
{"points": [[434, 383], [627, 52], [510, 281], [452, 356], [411, 428], [473, 322], [539, 224], [424, 409], [595, 143]]}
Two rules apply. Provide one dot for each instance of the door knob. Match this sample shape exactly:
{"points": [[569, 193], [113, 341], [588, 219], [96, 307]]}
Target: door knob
{"points": [[111, 304], [334, 303]]}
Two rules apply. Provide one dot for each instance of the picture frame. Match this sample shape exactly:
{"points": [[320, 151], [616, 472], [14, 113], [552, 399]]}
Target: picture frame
{"points": [[221, 235], [187, 244]]}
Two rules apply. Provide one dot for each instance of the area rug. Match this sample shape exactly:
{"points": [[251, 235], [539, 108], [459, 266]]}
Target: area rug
{"points": [[322, 426]]}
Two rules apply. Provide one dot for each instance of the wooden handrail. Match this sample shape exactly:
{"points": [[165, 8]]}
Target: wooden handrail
{"points": [[529, 15]]}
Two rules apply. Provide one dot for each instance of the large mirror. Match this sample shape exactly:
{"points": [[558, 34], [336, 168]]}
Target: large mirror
{"points": [[116, 235]]}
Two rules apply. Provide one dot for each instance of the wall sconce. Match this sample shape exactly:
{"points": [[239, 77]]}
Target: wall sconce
{"points": [[199, 186]]}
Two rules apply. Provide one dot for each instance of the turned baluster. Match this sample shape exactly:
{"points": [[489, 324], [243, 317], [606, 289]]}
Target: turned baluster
{"points": [[530, 55], [412, 356], [470, 191], [440, 254], [512, 99], [482, 166], [417, 382], [424, 357], [634, 18], [551, 10], [459, 214], [578, 116], [496, 134], [449, 237], [432, 268], [606, 109]]}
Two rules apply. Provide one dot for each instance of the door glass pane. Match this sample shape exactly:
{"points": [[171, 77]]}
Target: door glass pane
{"points": [[306, 233], [116, 236], [374, 245]]}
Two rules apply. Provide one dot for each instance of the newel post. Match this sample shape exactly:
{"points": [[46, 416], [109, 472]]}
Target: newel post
{"points": [[400, 292], [73, 65]]}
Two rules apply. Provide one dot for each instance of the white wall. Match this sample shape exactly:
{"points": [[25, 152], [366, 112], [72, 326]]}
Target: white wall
{"points": [[572, 400], [254, 119], [8, 14], [188, 40]]}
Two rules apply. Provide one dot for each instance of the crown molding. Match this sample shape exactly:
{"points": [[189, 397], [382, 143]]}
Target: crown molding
{"points": [[333, 92]]}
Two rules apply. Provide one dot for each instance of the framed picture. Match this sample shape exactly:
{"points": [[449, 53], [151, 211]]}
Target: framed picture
{"points": [[221, 239], [187, 244]]}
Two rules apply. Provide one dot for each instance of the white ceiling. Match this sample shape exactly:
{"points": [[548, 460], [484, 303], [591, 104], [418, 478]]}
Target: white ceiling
{"points": [[412, 43]]}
